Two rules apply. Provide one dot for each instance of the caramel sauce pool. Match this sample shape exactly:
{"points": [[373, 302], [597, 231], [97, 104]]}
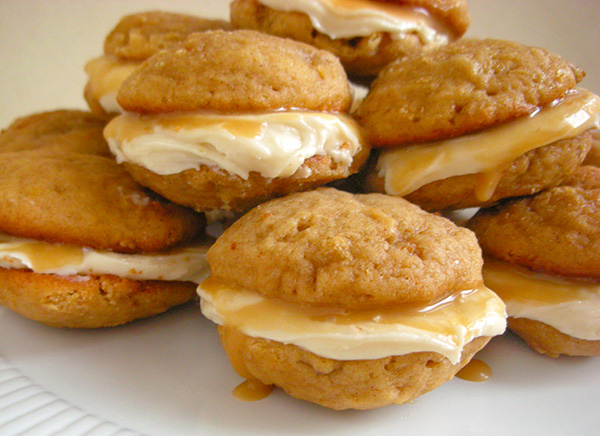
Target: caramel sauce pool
{"points": [[252, 390], [475, 371]]}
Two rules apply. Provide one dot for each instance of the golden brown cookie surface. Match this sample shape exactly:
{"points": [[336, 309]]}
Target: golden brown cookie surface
{"points": [[586, 177], [88, 201], [209, 188], [547, 340], [237, 71], [462, 87], [361, 55], [593, 157], [332, 248], [555, 231], [60, 130], [139, 36], [87, 301], [355, 384]]}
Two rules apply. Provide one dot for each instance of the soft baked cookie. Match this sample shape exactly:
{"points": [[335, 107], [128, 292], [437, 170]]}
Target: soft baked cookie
{"points": [[230, 119], [83, 245], [542, 259], [134, 39], [486, 120], [61, 130], [324, 294], [593, 156], [365, 34]]}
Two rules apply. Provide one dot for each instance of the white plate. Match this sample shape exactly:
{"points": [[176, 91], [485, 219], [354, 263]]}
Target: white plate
{"points": [[168, 376]]}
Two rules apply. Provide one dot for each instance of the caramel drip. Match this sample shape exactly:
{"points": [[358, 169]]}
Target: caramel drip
{"points": [[244, 128], [513, 283], [438, 315], [129, 126], [251, 389], [408, 168], [232, 340], [356, 334], [236, 126], [45, 257], [350, 18], [475, 371], [391, 9], [487, 183]]}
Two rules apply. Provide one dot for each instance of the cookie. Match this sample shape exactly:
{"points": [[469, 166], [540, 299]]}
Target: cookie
{"points": [[328, 295], [139, 36], [83, 245], [134, 39], [86, 200], [239, 71], [230, 119], [212, 190], [310, 247], [553, 232], [464, 133], [593, 156], [61, 130], [345, 384], [541, 259], [550, 341], [365, 35], [93, 301]]}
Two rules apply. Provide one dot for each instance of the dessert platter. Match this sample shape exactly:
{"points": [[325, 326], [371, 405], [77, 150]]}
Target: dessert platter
{"points": [[159, 365]]}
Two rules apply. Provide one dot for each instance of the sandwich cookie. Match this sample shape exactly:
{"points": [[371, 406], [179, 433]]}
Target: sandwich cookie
{"points": [[83, 245], [482, 121], [348, 301], [134, 39], [228, 120], [365, 34], [541, 257], [61, 130]]}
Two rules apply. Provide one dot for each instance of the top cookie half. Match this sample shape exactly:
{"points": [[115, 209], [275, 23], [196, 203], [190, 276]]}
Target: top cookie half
{"points": [[336, 249], [555, 231], [461, 88], [138, 36], [237, 71]]}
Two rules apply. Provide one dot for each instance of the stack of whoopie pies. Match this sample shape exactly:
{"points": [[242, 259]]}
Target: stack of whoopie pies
{"points": [[337, 278]]}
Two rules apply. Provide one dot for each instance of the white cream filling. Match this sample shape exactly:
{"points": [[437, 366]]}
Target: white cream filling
{"points": [[186, 263], [359, 93], [571, 307], [109, 103], [272, 144], [359, 18], [406, 169], [106, 74], [444, 329]]}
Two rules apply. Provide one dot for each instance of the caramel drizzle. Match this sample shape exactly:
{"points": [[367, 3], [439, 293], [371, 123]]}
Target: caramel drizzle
{"points": [[475, 371]]}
